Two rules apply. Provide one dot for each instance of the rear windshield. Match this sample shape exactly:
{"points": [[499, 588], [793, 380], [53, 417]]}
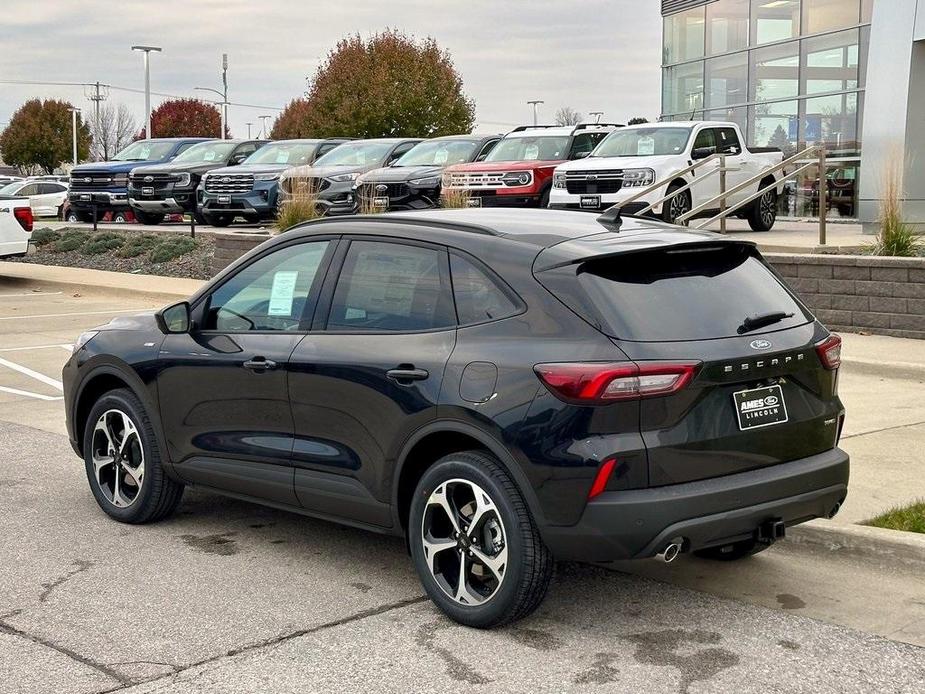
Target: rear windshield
{"points": [[687, 294]]}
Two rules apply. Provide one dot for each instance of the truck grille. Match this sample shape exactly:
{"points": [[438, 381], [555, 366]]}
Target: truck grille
{"points": [[230, 184], [156, 180], [304, 184], [91, 180], [475, 179], [381, 190], [593, 182]]}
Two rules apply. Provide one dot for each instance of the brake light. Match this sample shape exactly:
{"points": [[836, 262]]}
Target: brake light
{"points": [[24, 217], [597, 383], [829, 351]]}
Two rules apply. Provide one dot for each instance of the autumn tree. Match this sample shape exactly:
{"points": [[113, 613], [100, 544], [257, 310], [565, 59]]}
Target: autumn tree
{"points": [[293, 123], [566, 115], [113, 132], [39, 135], [186, 118], [638, 120], [389, 85]]}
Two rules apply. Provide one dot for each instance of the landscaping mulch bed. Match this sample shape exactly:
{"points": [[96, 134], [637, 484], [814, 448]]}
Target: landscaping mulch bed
{"points": [[195, 263]]}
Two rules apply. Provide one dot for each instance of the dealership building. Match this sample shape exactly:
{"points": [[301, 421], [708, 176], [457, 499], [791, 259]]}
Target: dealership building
{"points": [[847, 74]]}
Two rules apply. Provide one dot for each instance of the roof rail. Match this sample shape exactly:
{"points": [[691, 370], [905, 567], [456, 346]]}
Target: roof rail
{"points": [[521, 128], [585, 126]]}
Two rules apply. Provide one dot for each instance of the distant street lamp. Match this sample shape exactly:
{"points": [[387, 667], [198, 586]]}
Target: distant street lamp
{"points": [[248, 130], [221, 104], [597, 115], [263, 126], [534, 104], [74, 111], [147, 51]]}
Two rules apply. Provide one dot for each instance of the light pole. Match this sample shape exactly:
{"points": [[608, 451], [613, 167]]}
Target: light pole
{"points": [[597, 115], [535, 103], [263, 126], [248, 130], [147, 51], [74, 112], [220, 103]]}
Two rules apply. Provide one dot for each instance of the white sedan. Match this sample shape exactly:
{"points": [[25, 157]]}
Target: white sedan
{"points": [[45, 197]]}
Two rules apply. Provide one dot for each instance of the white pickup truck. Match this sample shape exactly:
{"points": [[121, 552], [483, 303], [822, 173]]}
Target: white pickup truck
{"points": [[637, 156], [15, 226]]}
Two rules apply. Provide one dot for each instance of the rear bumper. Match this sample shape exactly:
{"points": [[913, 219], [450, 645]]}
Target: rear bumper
{"points": [[706, 513]]}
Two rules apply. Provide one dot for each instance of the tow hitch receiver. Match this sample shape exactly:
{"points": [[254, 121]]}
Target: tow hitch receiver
{"points": [[770, 532]]}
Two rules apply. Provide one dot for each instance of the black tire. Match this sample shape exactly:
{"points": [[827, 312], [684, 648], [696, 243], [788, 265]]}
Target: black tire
{"points": [[157, 496], [149, 218], [732, 552], [200, 218], [81, 216], [528, 567], [544, 198], [119, 217], [218, 220], [763, 212], [676, 206]]}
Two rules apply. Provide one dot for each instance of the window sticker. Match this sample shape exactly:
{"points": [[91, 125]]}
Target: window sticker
{"points": [[282, 157], [210, 156], [282, 293], [645, 147], [532, 152], [144, 153], [441, 156]]}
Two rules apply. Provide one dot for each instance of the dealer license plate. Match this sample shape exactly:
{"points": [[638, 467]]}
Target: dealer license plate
{"points": [[760, 407]]}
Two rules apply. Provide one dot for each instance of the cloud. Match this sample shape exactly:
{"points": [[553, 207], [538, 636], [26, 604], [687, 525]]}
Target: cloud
{"points": [[594, 55]]}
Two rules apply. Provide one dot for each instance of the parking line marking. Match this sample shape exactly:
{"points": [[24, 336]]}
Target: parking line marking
{"points": [[26, 348], [48, 380], [10, 296], [84, 313], [30, 394]]}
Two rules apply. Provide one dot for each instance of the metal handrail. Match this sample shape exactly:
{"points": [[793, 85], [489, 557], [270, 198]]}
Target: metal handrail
{"points": [[642, 192], [712, 203]]}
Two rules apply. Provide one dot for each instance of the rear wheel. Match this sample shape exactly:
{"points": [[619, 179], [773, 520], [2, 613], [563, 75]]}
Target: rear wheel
{"points": [[151, 218], [544, 198], [677, 205], [763, 213], [123, 461], [474, 544], [732, 551]]}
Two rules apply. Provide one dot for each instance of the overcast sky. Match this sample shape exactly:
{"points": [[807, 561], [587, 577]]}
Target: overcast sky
{"points": [[593, 55]]}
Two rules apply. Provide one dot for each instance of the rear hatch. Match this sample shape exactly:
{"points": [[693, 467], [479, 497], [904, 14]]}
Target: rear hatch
{"points": [[760, 395]]}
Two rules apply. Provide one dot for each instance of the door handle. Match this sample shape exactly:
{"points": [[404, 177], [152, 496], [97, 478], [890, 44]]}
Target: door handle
{"points": [[259, 364], [407, 374]]}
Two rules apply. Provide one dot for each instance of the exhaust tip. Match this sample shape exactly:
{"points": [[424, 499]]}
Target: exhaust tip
{"points": [[671, 552]]}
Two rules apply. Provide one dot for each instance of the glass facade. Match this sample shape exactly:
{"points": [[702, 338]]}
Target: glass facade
{"points": [[790, 73]]}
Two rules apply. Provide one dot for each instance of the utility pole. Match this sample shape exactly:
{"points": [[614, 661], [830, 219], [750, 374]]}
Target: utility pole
{"points": [[224, 92], [263, 126], [535, 103], [147, 51], [248, 130], [74, 111], [97, 93], [597, 115]]}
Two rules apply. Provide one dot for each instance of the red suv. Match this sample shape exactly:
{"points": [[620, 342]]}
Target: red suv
{"points": [[518, 171]]}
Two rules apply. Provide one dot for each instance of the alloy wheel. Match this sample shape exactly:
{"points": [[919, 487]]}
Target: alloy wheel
{"points": [[118, 458], [464, 542], [767, 209], [677, 207]]}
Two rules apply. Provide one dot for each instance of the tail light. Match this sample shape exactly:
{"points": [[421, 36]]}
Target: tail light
{"points": [[829, 351], [600, 480], [597, 383], [24, 217]]}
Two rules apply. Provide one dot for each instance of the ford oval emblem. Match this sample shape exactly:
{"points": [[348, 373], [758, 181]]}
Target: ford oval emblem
{"points": [[771, 401], [88, 180], [149, 179], [759, 344], [592, 177], [226, 179], [381, 188]]}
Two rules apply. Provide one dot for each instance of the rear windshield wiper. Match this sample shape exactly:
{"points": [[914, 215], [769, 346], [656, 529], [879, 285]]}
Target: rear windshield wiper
{"points": [[761, 320]]}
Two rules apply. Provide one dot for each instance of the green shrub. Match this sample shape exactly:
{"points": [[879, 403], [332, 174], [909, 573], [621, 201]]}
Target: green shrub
{"points": [[70, 241], [896, 238], [301, 205], [137, 244], [42, 237], [171, 248], [103, 243], [909, 518]]}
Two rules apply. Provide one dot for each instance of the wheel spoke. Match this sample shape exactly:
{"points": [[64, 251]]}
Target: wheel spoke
{"points": [[103, 427], [128, 432], [117, 498], [438, 498], [464, 592], [495, 564], [99, 462], [483, 505], [136, 473], [432, 547]]}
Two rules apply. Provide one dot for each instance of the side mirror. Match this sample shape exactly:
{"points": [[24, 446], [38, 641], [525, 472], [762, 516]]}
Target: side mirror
{"points": [[174, 319], [237, 159], [702, 152], [581, 155]]}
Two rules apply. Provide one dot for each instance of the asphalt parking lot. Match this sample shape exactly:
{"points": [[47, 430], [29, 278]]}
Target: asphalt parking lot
{"points": [[232, 597]]}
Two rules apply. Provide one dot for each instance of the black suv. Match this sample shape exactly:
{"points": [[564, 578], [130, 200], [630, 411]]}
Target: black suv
{"points": [[501, 387], [170, 188], [413, 182]]}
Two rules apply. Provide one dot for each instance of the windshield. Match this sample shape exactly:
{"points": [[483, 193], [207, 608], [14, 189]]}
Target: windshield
{"points": [[207, 151], [539, 147], [440, 153], [291, 153], [643, 142], [145, 150], [356, 154], [11, 188]]}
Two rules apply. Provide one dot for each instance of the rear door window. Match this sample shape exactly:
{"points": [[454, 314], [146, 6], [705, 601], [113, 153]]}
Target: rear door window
{"points": [[685, 294]]}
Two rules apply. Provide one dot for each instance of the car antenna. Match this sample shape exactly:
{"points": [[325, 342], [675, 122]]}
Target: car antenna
{"points": [[611, 218]]}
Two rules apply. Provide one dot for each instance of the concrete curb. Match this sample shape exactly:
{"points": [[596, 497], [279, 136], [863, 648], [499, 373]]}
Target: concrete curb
{"points": [[153, 287], [878, 544]]}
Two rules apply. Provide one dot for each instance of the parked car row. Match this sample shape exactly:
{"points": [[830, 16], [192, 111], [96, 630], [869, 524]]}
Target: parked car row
{"points": [[589, 166]]}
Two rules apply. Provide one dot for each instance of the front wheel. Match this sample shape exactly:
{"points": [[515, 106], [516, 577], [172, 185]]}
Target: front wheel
{"points": [[218, 220], [763, 213], [474, 543], [150, 218], [677, 205], [123, 461]]}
